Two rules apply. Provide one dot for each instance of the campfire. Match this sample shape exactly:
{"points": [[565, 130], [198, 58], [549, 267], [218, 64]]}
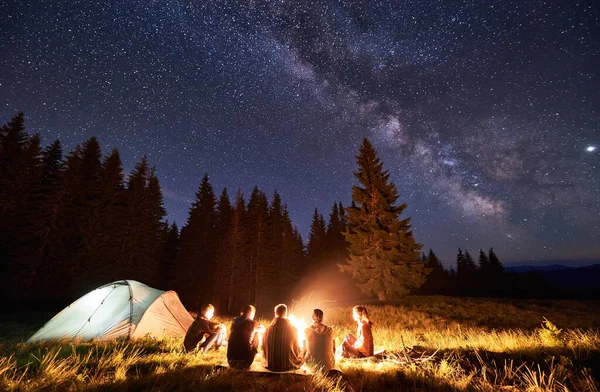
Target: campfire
{"points": [[300, 326]]}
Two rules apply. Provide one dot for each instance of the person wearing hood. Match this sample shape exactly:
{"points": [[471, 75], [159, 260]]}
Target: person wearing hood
{"points": [[244, 339], [321, 344]]}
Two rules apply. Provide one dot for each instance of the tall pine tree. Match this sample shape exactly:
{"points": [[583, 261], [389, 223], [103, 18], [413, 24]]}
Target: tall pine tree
{"points": [[198, 249], [316, 246], [384, 256]]}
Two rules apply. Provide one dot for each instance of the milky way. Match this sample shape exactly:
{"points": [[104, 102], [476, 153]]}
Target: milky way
{"points": [[485, 113]]}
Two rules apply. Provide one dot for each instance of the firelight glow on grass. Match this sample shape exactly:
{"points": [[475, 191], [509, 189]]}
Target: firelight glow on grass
{"points": [[447, 349]]}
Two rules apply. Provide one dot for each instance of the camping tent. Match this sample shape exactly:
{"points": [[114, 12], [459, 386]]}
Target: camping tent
{"points": [[124, 308]]}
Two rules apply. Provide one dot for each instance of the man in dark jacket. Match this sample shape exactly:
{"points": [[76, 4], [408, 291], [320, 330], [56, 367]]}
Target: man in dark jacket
{"points": [[242, 345], [281, 349], [203, 328]]}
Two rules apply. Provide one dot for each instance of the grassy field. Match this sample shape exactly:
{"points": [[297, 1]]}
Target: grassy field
{"points": [[431, 343]]}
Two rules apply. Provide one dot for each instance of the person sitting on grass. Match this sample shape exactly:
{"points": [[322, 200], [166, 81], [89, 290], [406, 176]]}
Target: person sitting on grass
{"points": [[242, 345], [281, 350], [321, 344], [362, 345], [203, 328]]}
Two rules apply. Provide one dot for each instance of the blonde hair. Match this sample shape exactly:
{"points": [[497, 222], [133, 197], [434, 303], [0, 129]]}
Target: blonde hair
{"points": [[363, 315]]}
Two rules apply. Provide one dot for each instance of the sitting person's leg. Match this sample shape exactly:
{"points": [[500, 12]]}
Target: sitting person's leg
{"points": [[209, 341], [348, 349], [247, 362], [243, 363], [216, 339]]}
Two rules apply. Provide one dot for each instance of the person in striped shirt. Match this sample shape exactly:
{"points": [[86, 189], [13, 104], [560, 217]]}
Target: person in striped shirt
{"points": [[281, 350]]}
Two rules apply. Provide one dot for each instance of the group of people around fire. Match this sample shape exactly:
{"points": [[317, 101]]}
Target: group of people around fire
{"points": [[281, 348]]}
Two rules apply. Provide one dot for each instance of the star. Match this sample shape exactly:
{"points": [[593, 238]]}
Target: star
{"points": [[280, 95]]}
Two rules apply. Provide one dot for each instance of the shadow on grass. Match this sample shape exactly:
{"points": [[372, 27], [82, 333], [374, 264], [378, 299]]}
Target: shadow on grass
{"points": [[210, 378], [207, 378]]}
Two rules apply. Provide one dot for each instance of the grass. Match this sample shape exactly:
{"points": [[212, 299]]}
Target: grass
{"points": [[432, 344]]}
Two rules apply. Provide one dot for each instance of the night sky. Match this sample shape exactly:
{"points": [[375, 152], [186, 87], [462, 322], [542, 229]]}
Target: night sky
{"points": [[486, 114]]}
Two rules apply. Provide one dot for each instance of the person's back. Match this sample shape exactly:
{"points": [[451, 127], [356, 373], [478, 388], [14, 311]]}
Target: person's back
{"points": [[243, 339], [321, 347], [281, 351]]}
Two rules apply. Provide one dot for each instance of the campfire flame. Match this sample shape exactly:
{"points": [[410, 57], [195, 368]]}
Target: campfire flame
{"points": [[300, 326]]}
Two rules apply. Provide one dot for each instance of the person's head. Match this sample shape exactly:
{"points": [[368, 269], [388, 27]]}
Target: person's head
{"points": [[208, 311], [249, 311], [317, 316], [359, 313], [281, 311]]}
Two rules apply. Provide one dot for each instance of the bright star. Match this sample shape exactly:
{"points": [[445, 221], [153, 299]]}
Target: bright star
{"points": [[590, 148]]}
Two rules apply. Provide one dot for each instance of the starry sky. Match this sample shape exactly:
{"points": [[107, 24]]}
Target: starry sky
{"points": [[486, 114]]}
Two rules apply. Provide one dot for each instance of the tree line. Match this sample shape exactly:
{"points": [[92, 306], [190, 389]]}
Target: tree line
{"points": [[72, 222], [485, 278]]}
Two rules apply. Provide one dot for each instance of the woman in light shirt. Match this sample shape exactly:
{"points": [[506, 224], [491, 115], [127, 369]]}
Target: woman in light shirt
{"points": [[361, 345]]}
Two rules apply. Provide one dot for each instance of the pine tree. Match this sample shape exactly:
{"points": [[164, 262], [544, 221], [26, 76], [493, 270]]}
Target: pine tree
{"points": [[316, 245], [44, 223], [277, 233], [384, 256], [197, 253], [470, 277], [88, 218], [232, 258], [131, 249], [223, 218], [336, 246], [46, 226], [466, 272], [293, 255], [484, 263], [65, 245], [148, 266], [460, 260], [438, 279], [497, 275], [224, 214], [113, 211], [260, 245], [483, 273], [170, 246], [21, 168], [13, 139], [496, 266], [13, 142]]}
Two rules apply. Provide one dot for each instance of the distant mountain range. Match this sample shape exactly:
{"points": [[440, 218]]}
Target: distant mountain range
{"points": [[526, 268], [536, 264], [565, 277]]}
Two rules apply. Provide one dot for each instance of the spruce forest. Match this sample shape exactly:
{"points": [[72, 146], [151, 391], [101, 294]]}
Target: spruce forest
{"points": [[73, 221]]}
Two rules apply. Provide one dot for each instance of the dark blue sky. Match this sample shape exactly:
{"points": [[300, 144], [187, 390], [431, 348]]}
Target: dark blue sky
{"points": [[485, 113]]}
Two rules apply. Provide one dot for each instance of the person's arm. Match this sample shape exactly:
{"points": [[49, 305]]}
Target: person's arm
{"points": [[214, 327], [366, 346], [298, 353], [359, 337], [263, 347]]}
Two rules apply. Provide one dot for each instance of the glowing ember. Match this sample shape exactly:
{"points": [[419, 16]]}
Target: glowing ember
{"points": [[300, 325]]}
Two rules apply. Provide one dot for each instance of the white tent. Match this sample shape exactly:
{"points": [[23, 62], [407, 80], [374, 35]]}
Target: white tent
{"points": [[125, 308]]}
